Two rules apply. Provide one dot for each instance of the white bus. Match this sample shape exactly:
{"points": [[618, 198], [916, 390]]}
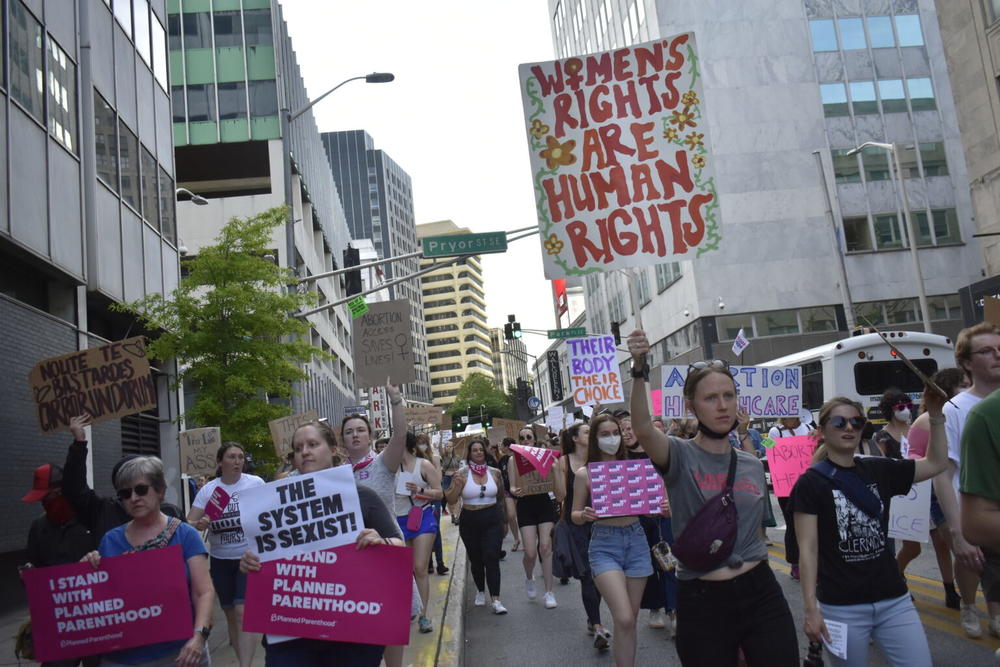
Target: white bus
{"points": [[863, 367]]}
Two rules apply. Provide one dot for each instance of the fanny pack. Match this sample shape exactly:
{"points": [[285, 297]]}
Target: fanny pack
{"points": [[852, 486], [710, 535]]}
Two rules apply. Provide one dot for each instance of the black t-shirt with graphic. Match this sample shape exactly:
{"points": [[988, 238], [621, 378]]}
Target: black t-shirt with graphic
{"points": [[855, 564]]}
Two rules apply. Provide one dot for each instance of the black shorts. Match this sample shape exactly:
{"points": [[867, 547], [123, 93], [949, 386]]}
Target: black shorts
{"points": [[536, 509], [230, 584]]}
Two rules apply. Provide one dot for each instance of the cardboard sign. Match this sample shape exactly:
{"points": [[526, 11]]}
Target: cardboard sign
{"points": [[106, 382], [532, 483], [511, 426], [625, 488], [539, 458], [496, 434], [283, 429], [358, 306], [217, 504], [541, 432], [593, 371], [556, 418], [379, 398], [764, 391], [331, 595], [383, 345], [787, 460], [909, 515], [423, 414], [304, 513], [198, 449], [620, 163], [77, 610]]}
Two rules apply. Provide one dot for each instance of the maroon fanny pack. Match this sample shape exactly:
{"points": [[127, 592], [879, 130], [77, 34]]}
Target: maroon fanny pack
{"points": [[710, 535]]}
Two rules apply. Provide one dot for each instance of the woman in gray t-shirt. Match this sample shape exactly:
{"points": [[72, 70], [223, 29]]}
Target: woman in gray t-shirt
{"points": [[739, 604]]}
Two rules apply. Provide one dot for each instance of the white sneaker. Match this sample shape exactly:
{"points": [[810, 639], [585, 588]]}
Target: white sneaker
{"points": [[656, 619], [480, 599], [498, 608], [970, 621], [529, 589], [995, 626], [550, 601]]}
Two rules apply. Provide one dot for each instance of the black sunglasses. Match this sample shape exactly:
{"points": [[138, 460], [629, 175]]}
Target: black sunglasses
{"points": [[526, 437], [709, 363], [840, 422], [140, 490]]}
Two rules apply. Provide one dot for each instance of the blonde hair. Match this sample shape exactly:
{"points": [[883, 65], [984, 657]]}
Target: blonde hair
{"points": [[963, 344], [824, 416]]}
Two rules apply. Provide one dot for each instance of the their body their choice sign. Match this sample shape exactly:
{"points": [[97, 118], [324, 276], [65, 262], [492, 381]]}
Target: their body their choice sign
{"points": [[77, 610], [620, 163], [593, 371], [383, 345], [763, 391]]}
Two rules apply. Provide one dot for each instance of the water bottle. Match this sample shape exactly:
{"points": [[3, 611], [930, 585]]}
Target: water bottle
{"points": [[815, 656]]}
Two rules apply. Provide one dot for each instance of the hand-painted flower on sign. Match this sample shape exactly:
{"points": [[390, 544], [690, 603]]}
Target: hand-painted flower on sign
{"points": [[699, 161], [689, 99], [683, 119], [538, 129], [670, 134], [694, 139], [558, 154], [553, 245]]}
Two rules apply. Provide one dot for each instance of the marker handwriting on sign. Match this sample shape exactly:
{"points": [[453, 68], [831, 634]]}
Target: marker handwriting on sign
{"points": [[303, 518]]}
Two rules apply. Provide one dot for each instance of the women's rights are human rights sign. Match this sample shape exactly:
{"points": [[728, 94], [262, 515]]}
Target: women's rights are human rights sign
{"points": [[620, 163]]}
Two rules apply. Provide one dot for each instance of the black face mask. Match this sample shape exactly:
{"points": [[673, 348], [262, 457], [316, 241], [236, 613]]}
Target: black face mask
{"points": [[714, 435]]}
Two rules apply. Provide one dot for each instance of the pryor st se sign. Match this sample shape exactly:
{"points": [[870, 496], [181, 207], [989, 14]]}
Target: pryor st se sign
{"points": [[464, 244]]}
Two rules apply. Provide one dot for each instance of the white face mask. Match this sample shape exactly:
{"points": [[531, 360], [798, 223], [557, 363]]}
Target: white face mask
{"points": [[902, 415], [422, 448], [609, 443]]}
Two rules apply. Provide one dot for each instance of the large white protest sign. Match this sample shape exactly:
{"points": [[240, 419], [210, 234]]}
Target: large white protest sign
{"points": [[763, 391], [909, 515], [304, 513], [620, 160], [593, 371]]}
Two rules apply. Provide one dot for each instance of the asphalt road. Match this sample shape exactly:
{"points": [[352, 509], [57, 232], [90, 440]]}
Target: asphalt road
{"points": [[530, 634]]}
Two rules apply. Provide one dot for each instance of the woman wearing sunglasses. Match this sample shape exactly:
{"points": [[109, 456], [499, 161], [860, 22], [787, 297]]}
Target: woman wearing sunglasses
{"points": [[727, 596], [141, 485], [849, 572], [482, 521]]}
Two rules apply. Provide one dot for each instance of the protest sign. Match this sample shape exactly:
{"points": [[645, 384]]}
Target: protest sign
{"points": [[358, 306], [198, 449], [787, 460], [763, 391], [511, 426], [556, 419], [303, 513], [423, 414], [77, 610], [740, 343], [539, 458], [106, 382], [909, 515], [383, 345], [331, 595], [541, 432], [379, 399], [532, 483], [619, 155], [593, 371], [283, 429], [496, 434], [217, 504], [625, 488]]}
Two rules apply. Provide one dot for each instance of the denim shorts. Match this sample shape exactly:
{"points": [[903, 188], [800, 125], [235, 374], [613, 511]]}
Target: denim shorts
{"points": [[230, 584], [619, 548]]}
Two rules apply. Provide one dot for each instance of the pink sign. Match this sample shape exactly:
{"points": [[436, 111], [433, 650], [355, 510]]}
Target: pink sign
{"points": [[339, 594], [217, 504], [541, 459], [787, 460], [625, 488], [77, 610]]}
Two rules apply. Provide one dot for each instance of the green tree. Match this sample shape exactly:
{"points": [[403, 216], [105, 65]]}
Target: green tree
{"points": [[231, 328], [479, 390]]}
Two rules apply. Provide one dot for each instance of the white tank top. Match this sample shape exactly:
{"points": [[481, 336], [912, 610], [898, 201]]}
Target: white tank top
{"points": [[472, 491]]}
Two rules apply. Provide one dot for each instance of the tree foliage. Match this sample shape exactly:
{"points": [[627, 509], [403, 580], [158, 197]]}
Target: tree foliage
{"points": [[231, 328], [476, 390]]}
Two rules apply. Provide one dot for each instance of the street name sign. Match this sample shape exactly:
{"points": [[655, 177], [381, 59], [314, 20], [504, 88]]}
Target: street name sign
{"points": [[465, 244], [578, 332]]}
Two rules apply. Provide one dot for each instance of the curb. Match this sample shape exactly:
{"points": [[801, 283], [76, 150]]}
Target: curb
{"points": [[451, 646]]}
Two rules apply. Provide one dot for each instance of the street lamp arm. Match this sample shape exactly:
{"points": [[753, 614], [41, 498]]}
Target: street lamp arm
{"points": [[374, 77], [875, 144]]}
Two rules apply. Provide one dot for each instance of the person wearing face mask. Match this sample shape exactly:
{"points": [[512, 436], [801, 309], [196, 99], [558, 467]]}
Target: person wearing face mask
{"points": [[425, 450], [618, 553], [727, 595], [897, 409]]}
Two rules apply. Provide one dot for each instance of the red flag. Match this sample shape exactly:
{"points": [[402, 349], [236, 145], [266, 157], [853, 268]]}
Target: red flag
{"points": [[539, 458]]}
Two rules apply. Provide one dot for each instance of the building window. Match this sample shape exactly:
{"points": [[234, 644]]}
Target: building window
{"points": [[863, 97], [908, 29], [159, 51], [129, 160], [834, 99], [26, 64], [880, 32], [123, 12], [933, 159], [643, 289], [177, 97], [106, 142], [174, 32], [946, 307], [150, 191], [888, 234], [777, 323], [228, 31], [945, 227], [201, 102], [666, 274], [168, 200], [197, 30], [852, 33], [857, 235], [876, 162], [993, 10], [901, 311], [893, 97], [730, 325], [818, 319], [140, 10], [921, 94], [845, 167], [257, 26], [232, 100], [824, 38], [62, 97]]}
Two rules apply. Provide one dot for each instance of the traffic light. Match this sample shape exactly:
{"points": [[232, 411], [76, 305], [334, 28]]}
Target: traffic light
{"points": [[508, 331], [616, 331], [512, 329], [352, 279], [522, 391]]}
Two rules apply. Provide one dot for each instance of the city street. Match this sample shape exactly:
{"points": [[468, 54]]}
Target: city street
{"points": [[531, 634]]}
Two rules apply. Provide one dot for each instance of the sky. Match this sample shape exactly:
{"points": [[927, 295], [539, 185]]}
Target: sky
{"points": [[453, 118]]}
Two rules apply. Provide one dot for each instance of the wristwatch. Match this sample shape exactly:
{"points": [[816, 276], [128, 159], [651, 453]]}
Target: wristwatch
{"points": [[641, 371], [205, 631]]}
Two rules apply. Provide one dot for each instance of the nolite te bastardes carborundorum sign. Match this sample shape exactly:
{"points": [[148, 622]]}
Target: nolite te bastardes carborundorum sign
{"points": [[622, 172]]}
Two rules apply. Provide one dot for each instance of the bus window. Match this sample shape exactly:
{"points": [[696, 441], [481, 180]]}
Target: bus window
{"points": [[812, 385], [872, 378]]}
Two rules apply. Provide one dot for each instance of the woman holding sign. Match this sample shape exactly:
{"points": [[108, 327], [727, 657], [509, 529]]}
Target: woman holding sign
{"points": [[849, 571], [141, 486], [227, 542], [727, 595], [618, 554]]}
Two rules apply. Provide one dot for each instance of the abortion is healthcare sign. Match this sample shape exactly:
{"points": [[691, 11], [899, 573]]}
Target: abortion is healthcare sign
{"points": [[620, 158], [77, 610], [763, 391]]}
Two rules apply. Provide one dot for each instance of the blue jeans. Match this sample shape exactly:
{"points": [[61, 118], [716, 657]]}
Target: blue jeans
{"points": [[893, 624]]}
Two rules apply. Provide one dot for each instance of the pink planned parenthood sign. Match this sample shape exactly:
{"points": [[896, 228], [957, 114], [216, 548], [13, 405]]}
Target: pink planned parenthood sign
{"points": [[625, 488], [340, 594], [77, 610]]}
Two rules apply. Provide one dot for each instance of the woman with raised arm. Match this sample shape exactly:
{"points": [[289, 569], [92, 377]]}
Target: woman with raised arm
{"points": [[727, 595], [849, 571]]}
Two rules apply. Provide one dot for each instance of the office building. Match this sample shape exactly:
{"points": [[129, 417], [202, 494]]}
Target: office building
{"points": [[233, 71], [783, 79], [458, 341], [378, 203], [510, 360], [86, 221]]}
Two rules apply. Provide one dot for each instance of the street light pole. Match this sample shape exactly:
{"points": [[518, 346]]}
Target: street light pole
{"points": [[845, 287]]}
